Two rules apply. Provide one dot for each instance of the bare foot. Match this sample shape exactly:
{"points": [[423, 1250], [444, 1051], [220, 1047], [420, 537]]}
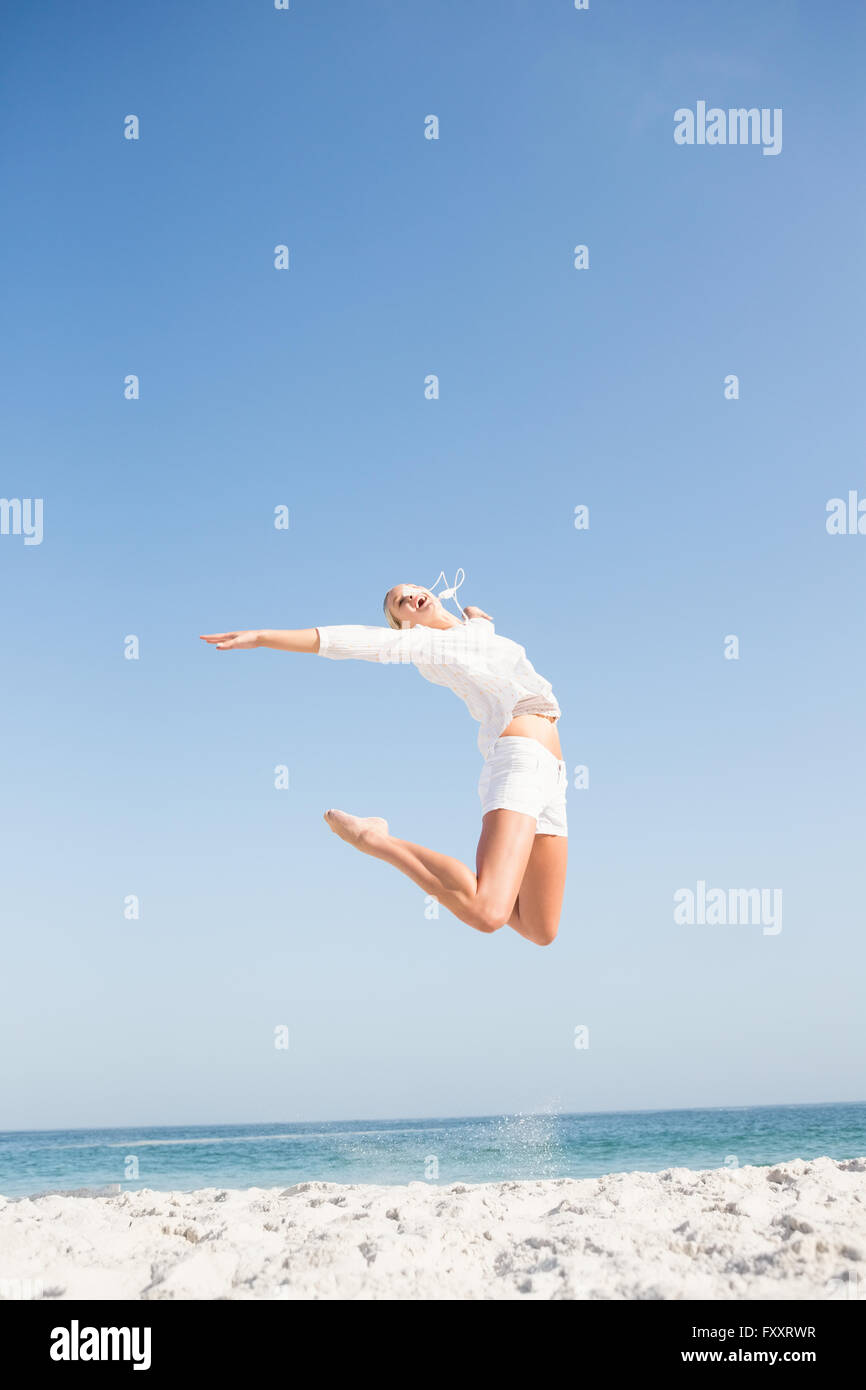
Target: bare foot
{"points": [[364, 832]]}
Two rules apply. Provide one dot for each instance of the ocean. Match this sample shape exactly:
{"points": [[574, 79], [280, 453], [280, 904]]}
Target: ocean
{"points": [[485, 1149]]}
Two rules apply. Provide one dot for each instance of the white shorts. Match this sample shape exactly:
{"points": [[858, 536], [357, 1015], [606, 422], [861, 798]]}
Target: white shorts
{"points": [[522, 775]]}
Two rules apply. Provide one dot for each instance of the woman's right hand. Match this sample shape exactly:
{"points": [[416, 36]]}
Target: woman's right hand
{"points": [[233, 641]]}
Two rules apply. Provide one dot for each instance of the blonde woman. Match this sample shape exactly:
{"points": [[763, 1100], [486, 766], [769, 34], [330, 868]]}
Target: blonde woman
{"points": [[520, 861]]}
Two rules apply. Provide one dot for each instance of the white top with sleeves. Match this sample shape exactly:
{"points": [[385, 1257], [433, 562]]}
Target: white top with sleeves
{"points": [[490, 673]]}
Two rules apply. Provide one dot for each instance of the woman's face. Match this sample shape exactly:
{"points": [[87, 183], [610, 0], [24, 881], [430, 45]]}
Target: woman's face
{"points": [[413, 606]]}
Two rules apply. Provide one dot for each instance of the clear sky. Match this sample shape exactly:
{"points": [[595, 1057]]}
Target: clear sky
{"points": [[259, 387]]}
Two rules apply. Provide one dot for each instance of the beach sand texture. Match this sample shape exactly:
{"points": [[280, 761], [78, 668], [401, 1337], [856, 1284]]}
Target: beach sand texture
{"points": [[795, 1231]]}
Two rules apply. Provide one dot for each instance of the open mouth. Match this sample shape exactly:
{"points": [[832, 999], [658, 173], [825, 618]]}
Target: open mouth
{"points": [[420, 602]]}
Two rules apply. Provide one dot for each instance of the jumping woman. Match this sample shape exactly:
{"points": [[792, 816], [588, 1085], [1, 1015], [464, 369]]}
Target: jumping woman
{"points": [[521, 857]]}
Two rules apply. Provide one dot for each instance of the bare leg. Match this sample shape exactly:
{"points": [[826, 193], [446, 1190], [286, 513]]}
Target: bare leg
{"points": [[539, 902], [484, 900]]}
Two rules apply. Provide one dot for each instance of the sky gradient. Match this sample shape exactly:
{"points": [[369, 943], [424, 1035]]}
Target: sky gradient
{"points": [[559, 387]]}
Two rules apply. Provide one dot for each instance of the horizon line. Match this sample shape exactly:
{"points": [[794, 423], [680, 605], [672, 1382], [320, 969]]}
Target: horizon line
{"points": [[421, 1119]]}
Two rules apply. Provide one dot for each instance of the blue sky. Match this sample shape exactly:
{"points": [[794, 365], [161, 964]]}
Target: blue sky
{"points": [[558, 387]]}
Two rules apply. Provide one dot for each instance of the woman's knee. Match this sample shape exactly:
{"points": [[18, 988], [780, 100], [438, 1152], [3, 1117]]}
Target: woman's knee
{"points": [[541, 931], [490, 916]]}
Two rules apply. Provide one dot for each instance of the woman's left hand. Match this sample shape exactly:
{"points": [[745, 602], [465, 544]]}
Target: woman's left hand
{"points": [[477, 613]]}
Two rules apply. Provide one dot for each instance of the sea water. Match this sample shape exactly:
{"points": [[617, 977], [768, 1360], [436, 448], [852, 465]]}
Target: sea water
{"points": [[481, 1149]]}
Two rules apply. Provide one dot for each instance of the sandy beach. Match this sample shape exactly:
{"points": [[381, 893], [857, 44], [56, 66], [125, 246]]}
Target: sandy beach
{"points": [[796, 1231]]}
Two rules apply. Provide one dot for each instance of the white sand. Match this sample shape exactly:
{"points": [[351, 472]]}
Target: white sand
{"points": [[796, 1231]]}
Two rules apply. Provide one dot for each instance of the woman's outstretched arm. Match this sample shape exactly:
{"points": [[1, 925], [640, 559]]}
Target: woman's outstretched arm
{"points": [[302, 639], [362, 643]]}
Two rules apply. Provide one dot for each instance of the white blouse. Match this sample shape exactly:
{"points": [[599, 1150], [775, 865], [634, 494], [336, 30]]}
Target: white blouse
{"points": [[491, 674]]}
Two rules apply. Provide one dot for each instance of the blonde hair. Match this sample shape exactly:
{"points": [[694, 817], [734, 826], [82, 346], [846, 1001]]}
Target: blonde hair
{"points": [[389, 616], [391, 620]]}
